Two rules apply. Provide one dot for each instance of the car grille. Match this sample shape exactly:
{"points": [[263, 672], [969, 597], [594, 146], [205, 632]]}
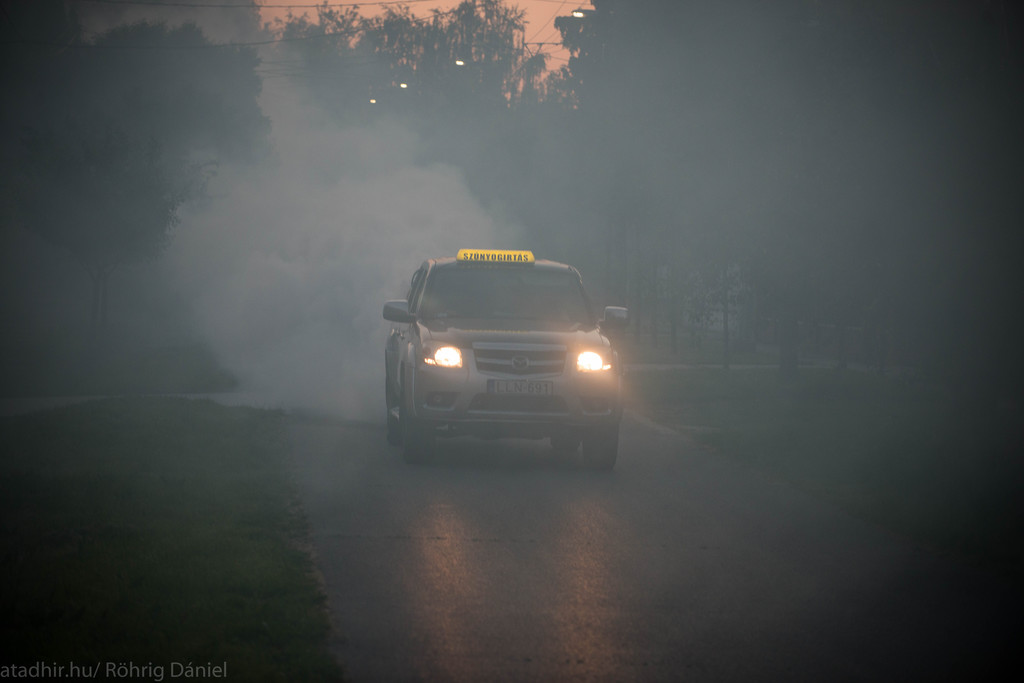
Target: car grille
{"points": [[520, 359]]}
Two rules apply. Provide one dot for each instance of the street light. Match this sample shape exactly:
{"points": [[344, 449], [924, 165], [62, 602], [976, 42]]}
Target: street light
{"points": [[459, 62]]}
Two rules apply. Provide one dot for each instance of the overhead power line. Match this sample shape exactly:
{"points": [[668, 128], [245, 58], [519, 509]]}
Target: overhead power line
{"points": [[550, 19], [225, 5], [209, 46], [205, 46], [255, 43]]}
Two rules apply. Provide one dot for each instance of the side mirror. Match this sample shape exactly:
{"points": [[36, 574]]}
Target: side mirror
{"points": [[615, 318], [397, 311]]}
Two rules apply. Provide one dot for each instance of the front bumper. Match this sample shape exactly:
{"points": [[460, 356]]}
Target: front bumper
{"points": [[465, 401]]}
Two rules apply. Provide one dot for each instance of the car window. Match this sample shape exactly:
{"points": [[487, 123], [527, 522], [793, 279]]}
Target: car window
{"points": [[505, 293], [415, 289]]}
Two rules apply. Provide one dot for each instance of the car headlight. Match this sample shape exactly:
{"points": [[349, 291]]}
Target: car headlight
{"points": [[444, 357], [591, 361]]}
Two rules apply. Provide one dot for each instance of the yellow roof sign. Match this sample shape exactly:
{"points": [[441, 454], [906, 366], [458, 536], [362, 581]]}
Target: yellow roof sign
{"points": [[494, 256]]}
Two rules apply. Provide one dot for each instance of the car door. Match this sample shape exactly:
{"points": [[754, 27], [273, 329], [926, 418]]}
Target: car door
{"points": [[399, 337]]}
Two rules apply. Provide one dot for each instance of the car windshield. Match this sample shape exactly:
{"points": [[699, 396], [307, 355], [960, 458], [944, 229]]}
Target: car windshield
{"points": [[509, 293]]}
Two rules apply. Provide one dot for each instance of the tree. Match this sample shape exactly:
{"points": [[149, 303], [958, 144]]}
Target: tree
{"points": [[118, 132], [102, 195], [173, 83], [860, 156], [470, 58]]}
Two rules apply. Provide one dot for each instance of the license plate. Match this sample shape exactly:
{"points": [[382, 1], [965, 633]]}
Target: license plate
{"points": [[520, 386]]}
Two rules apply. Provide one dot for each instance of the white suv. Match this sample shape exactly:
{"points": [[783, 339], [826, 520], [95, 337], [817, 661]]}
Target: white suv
{"points": [[497, 344]]}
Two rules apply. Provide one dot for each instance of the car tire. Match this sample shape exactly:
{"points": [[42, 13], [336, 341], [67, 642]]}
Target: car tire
{"points": [[394, 422], [601, 447], [417, 436]]}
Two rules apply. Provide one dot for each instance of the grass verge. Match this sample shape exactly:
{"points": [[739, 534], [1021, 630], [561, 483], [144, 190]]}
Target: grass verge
{"points": [[157, 531], [898, 453]]}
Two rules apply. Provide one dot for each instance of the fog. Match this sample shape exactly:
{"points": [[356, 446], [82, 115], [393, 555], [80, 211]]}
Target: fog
{"points": [[811, 208], [835, 166], [288, 263]]}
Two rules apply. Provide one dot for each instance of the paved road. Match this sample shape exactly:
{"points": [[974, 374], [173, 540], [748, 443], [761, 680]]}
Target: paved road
{"points": [[500, 563]]}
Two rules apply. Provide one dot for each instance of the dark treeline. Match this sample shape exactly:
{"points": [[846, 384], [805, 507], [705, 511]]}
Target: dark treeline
{"points": [[851, 164], [855, 162], [848, 164], [108, 134]]}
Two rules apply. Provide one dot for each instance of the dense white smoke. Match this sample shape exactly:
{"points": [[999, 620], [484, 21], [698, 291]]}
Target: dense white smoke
{"points": [[289, 263]]}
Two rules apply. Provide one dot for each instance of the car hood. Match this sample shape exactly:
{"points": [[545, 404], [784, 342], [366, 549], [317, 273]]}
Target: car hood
{"points": [[465, 333]]}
